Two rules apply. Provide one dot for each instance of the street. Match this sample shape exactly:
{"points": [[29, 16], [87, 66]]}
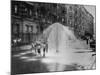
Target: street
{"points": [[25, 61]]}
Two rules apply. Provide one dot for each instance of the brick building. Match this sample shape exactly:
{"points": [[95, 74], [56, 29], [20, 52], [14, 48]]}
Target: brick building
{"points": [[22, 25], [78, 18], [28, 19]]}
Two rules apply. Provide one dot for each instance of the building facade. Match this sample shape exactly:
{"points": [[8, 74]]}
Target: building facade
{"points": [[79, 19], [23, 27], [30, 19]]}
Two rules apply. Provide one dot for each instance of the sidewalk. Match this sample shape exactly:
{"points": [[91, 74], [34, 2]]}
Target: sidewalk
{"points": [[21, 48]]}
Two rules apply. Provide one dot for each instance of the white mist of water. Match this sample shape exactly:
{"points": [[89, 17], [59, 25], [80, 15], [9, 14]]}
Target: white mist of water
{"points": [[62, 45], [60, 37]]}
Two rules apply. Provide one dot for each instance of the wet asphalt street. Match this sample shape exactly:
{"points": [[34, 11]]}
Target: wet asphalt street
{"points": [[24, 62]]}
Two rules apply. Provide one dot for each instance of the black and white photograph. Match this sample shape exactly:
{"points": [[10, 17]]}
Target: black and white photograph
{"points": [[52, 37]]}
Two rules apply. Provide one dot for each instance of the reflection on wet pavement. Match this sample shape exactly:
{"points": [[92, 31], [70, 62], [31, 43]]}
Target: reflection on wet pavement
{"points": [[65, 53], [52, 62]]}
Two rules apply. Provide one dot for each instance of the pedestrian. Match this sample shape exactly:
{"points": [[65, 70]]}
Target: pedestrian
{"points": [[46, 47], [33, 47], [38, 48], [44, 50], [92, 44]]}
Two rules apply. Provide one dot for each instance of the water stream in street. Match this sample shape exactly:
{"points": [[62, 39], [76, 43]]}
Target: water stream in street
{"points": [[65, 53]]}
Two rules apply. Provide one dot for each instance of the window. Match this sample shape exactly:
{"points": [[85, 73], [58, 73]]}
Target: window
{"points": [[15, 8], [27, 28], [31, 28], [30, 13]]}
